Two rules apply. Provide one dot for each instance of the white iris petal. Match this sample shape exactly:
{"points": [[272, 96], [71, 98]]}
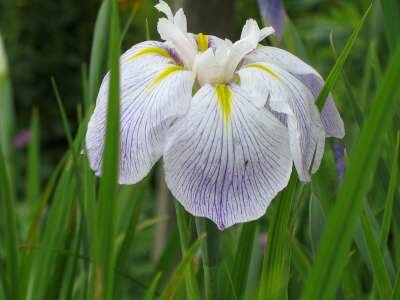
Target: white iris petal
{"points": [[163, 7], [227, 172]]}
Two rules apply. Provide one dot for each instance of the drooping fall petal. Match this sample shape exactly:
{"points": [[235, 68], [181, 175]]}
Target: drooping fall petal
{"points": [[154, 92], [227, 158]]}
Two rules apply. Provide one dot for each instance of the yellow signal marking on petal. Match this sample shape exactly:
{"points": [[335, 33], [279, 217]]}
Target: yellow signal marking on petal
{"points": [[163, 75], [202, 41], [265, 69], [224, 97], [151, 50]]}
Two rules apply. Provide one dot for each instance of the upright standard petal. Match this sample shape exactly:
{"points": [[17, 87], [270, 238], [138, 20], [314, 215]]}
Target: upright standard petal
{"points": [[173, 30], [330, 116], [227, 158], [285, 94], [249, 39], [154, 93], [163, 7]]}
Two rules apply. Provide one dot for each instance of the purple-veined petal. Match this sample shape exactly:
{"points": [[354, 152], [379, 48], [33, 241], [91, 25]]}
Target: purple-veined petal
{"points": [[285, 94], [154, 93], [226, 159], [330, 116], [273, 13], [214, 41]]}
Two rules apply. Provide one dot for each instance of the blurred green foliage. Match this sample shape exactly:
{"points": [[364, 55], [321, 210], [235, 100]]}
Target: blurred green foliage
{"points": [[45, 39]]}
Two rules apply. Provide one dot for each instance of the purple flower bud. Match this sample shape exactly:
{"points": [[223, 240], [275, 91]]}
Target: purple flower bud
{"points": [[273, 13], [22, 139], [263, 238], [339, 150]]}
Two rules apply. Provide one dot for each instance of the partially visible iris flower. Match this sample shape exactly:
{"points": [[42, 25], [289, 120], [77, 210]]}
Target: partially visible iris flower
{"points": [[229, 119], [273, 13]]}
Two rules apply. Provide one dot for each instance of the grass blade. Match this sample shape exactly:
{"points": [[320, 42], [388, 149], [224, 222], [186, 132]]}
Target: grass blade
{"points": [[184, 238], [391, 19], [72, 266], [54, 233], [153, 286], [300, 259], [146, 25], [229, 281], [275, 274], [210, 256], [342, 219], [41, 205], [147, 224], [387, 217], [175, 280], [7, 118], [358, 115], [381, 276], [168, 255], [9, 218], [130, 232], [243, 253], [104, 274], [99, 52], [33, 169], [396, 289], [334, 74], [63, 116], [129, 21]]}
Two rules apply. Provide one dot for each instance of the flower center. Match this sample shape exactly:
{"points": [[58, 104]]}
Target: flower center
{"points": [[217, 65]]}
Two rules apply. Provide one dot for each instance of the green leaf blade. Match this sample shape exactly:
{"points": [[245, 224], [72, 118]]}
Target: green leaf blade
{"points": [[104, 273], [99, 52], [175, 280], [274, 277], [387, 217], [7, 117], [336, 70], [243, 253], [9, 217]]}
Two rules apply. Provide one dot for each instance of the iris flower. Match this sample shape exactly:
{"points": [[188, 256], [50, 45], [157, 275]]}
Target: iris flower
{"points": [[228, 119]]}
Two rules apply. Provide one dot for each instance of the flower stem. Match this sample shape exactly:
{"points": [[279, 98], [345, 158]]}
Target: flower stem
{"points": [[210, 256]]}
